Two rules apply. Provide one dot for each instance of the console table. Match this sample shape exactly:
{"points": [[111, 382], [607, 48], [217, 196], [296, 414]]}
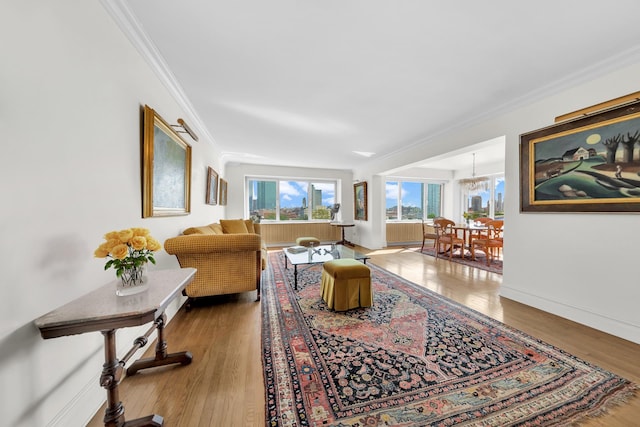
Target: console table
{"points": [[102, 310]]}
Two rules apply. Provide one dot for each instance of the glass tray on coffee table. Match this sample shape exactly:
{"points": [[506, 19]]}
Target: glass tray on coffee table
{"points": [[299, 255]]}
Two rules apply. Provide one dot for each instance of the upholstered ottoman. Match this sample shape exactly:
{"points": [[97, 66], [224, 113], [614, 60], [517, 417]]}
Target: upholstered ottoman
{"points": [[307, 241], [346, 284]]}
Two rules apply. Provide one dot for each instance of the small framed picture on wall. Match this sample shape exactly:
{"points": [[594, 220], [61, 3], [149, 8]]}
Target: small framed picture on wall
{"points": [[223, 192], [360, 201], [212, 187]]}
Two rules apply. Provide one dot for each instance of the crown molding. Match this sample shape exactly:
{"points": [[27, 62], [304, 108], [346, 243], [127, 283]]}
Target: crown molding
{"points": [[607, 65], [132, 29]]}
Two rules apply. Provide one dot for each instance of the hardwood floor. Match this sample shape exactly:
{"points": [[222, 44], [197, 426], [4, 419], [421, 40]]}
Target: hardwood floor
{"points": [[224, 385]]}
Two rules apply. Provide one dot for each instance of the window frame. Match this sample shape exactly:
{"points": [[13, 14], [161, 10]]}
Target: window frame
{"points": [[425, 198], [465, 195]]}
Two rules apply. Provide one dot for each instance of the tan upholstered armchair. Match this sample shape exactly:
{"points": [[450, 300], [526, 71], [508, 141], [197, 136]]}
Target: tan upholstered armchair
{"points": [[227, 263]]}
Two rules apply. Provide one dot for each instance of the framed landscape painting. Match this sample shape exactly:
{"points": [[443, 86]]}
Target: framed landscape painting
{"points": [[212, 186], [590, 164], [360, 201], [166, 169]]}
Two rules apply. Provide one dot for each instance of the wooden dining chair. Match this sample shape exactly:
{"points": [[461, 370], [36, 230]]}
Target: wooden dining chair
{"points": [[447, 237], [479, 233], [428, 233], [490, 245]]}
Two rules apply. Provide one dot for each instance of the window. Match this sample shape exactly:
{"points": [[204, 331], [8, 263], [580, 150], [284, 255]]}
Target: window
{"points": [[291, 200], [262, 198], [412, 200], [487, 203]]}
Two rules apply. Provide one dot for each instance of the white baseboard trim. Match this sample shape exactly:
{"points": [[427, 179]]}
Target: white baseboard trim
{"points": [[395, 244], [83, 406], [617, 327]]}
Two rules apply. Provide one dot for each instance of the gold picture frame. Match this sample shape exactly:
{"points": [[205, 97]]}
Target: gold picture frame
{"points": [[223, 192], [212, 186], [360, 201], [583, 165], [166, 169]]}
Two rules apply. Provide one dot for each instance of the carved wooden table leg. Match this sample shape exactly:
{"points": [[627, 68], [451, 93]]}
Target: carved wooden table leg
{"points": [[111, 373], [110, 378], [161, 358], [107, 314]]}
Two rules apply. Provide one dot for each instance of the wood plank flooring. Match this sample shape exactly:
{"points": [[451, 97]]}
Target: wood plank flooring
{"points": [[224, 385]]}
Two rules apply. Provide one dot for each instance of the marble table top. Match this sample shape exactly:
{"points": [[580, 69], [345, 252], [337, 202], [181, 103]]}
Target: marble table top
{"points": [[102, 309]]}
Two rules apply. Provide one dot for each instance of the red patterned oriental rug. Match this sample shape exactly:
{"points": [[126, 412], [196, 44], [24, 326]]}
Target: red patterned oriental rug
{"points": [[413, 359]]}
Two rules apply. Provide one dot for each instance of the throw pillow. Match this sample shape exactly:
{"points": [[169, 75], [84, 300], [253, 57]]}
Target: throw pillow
{"points": [[197, 230], [217, 228], [233, 226], [249, 224]]}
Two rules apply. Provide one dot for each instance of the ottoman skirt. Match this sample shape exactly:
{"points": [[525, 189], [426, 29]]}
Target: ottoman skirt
{"points": [[346, 284]]}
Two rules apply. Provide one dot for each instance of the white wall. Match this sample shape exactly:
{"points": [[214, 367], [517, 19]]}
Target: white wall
{"points": [[71, 89], [579, 266]]}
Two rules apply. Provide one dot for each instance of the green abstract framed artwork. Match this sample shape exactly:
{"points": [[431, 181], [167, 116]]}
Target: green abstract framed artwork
{"points": [[166, 169]]}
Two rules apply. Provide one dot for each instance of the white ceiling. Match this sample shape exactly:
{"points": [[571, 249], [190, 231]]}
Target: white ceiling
{"points": [[463, 159], [307, 83]]}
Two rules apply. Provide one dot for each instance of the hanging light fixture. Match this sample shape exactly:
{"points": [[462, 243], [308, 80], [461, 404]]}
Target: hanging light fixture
{"points": [[475, 184]]}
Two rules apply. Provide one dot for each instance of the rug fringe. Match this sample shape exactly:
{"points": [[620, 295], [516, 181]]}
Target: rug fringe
{"points": [[618, 399]]}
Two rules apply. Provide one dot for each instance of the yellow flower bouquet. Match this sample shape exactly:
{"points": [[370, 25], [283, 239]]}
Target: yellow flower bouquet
{"points": [[129, 251]]}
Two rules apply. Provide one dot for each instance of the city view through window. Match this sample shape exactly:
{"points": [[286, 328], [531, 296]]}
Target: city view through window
{"points": [[487, 203], [408, 200], [299, 200]]}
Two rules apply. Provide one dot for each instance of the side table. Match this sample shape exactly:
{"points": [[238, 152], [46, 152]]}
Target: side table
{"points": [[102, 310], [342, 226]]}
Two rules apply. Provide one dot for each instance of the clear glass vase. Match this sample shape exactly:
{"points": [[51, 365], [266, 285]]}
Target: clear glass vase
{"points": [[132, 281]]}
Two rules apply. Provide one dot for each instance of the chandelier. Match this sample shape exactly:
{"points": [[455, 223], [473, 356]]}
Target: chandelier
{"points": [[475, 184]]}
